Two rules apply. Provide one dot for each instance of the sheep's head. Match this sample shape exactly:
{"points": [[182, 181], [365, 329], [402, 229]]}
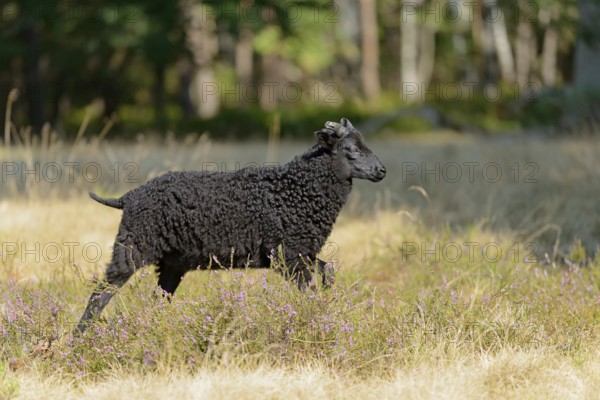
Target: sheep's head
{"points": [[353, 157]]}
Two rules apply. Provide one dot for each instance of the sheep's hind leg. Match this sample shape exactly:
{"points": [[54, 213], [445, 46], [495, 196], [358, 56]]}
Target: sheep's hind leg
{"points": [[118, 272], [299, 273], [169, 278]]}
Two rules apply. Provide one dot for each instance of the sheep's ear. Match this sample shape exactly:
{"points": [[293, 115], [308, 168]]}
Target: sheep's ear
{"points": [[326, 138]]}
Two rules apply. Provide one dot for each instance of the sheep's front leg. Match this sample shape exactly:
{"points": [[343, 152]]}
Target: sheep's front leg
{"points": [[102, 294], [299, 273], [118, 272]]}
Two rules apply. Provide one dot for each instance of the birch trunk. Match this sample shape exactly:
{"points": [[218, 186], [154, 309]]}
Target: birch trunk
{"points": [[550, 47], [525, 50], [244, 52], [409, 50], [203, 45], [497, 27]]}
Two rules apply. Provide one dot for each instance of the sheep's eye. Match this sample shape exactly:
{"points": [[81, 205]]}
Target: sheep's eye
{"points": [[353, 153]]}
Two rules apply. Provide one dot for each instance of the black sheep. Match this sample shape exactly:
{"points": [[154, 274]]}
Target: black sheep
{"points": [[181, 220]]}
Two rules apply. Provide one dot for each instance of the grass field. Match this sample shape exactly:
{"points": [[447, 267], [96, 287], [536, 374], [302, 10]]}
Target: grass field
{"points": [[469, 272]]}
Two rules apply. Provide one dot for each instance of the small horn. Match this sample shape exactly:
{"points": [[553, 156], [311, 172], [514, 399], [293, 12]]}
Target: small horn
{"points": [[346, 122], [338, 128]]}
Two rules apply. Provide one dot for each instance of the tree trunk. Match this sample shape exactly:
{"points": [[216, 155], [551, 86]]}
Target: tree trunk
{"points": [[427, 54], [370, 49], [203, 45], [271, 82], [349, 69], [244, 53], [550, 47], [484, 46], [461, 21], [525, 51], [272, 70], [409, 52], [497, 28]]}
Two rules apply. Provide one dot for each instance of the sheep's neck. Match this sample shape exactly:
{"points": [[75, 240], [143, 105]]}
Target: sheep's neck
{"points": [[321, 181]]}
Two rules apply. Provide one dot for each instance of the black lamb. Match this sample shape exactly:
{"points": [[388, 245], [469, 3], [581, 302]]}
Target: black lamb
{"points": [[181, 221]]}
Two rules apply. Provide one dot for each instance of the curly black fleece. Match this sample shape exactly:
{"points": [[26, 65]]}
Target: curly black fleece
{"points": [[182, 219]]}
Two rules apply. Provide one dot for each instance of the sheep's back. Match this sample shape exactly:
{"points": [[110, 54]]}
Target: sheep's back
{"points": [[210, 213]]}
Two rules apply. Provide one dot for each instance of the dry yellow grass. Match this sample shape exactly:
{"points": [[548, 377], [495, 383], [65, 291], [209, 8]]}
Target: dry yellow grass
{"points": [[539, 374]]}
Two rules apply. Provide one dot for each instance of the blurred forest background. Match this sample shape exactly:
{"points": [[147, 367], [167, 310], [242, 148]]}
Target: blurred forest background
{"points": [[232, 68]]}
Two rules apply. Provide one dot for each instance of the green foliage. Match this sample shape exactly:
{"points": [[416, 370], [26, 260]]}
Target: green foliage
{"points": [[569, 111], [310, 47], [132, 55]]}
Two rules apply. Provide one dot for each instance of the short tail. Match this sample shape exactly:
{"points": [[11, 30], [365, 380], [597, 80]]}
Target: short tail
{"points": [[114, 203]]}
